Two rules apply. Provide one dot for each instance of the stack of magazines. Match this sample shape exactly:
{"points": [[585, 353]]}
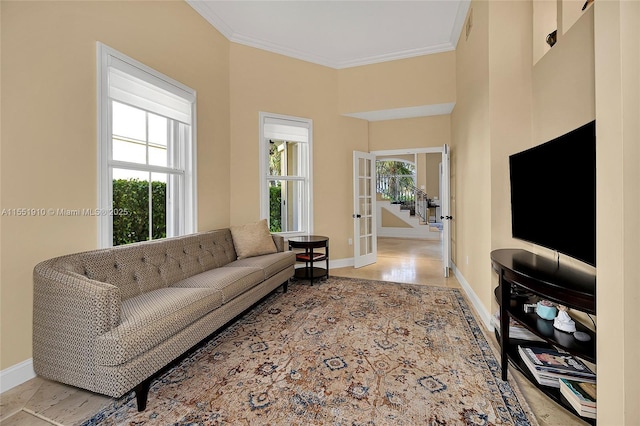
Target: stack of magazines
{"points": [[548, 366], [581, 396], [516, 330]]}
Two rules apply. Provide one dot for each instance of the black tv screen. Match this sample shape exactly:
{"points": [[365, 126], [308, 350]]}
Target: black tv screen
{"points": [[553, 194]]}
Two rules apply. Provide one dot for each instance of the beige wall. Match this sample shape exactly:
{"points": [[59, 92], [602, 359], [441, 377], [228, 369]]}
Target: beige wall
{"points": [[421, 132], [471, 157], [263, 81], [545, 20], [423, 80], [617, 111], [432, 174], [510, 47], [390, 220], [563, 83], [49, 127]]}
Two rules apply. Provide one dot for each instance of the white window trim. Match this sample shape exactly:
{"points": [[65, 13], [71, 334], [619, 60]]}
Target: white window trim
{"points": [[105, 55], [264, 170]]}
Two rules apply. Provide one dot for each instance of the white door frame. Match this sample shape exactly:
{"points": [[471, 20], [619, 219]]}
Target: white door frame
{"points": [[445, 200]]}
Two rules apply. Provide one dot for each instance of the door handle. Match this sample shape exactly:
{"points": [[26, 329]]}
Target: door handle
{"points": [[446, 217], [356, 216]]}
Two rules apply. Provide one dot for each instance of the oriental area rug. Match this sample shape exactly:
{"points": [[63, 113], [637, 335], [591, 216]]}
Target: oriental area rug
{"points": [[343, 352]]}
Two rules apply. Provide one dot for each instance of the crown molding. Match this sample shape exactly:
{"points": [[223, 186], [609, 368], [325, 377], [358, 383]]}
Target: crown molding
{"points": [[203, 8], [393, 56], [461, 16]]}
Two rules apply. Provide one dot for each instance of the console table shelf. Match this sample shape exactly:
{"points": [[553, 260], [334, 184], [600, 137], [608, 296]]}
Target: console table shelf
{"points": [[525, 278]]}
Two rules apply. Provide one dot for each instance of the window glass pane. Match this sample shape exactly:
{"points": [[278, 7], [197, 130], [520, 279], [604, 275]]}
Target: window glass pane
{"points": [[287, 158], [276, 158], [158, 129], [131, 198], [275, 206], [137, 219], [129, 122], [157, 155], [133, 152], [295, 151], [158, 205], [285, 206]]}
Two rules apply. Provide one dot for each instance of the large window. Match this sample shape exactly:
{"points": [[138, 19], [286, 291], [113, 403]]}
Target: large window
{"points": [[286, 173], [146, 152]]}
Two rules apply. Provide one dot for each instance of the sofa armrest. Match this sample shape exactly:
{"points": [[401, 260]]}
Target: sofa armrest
{"points": [[279, 241], [69, 312]]}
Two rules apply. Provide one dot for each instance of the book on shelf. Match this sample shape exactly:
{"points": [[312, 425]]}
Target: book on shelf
{"points": [[581, 396], [548, 366], [307, 256], [516, 330], [553, 361]]}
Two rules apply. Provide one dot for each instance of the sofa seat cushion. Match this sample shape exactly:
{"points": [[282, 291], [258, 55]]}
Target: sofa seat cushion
{"points": [[271, 264], [231, 282], [151, 318]]}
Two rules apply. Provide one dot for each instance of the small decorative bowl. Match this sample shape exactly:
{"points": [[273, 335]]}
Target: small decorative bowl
{"points": [[546, 310]]}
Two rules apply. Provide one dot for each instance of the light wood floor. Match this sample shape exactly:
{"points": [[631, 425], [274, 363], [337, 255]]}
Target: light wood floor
{"points": [[43, 402]]}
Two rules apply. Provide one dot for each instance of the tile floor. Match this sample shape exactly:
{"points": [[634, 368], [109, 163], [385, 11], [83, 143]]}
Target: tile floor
{"points": [[43, 402]]}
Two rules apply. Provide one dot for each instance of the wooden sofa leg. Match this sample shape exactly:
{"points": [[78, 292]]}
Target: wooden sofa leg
{"points": [[142, 392]]}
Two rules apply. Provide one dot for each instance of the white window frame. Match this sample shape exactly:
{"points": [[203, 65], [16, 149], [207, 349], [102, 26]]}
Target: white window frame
{"points": [[107, 57], [307, 205]]}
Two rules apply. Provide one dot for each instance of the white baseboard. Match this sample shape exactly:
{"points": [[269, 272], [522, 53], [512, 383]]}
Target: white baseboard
{"points": [[340, 263], [485, 316], [16, 375]]}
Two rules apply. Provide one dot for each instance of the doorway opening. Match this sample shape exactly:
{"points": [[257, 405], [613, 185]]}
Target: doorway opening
{"points": [[413, 180]]}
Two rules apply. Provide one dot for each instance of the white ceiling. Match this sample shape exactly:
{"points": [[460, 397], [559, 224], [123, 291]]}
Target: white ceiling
{"points": [[340, 33]]}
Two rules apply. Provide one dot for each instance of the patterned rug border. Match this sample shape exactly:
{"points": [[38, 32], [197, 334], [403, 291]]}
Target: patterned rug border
{"points": [[522, 412]]}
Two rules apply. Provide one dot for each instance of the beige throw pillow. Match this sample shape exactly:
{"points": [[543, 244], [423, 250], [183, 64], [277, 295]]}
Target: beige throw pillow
{"points": [[252, 239]]}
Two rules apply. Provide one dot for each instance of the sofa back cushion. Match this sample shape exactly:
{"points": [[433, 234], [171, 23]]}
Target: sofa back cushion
{"points": [[142, 267]]}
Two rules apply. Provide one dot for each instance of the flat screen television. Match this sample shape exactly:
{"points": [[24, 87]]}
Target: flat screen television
{"points": [[553, 194]]}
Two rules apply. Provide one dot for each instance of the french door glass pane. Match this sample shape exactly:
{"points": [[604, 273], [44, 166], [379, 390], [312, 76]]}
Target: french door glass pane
{"points": [[365, 206], [366, 246], [365, 226], [365, 186]]}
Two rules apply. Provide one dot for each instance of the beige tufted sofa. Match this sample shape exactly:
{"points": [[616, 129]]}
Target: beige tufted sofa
{"points": [[107, 320]]}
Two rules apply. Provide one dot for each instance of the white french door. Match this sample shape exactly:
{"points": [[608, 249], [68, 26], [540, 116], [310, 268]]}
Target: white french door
{"points": [[445, 206], [364, 211]]}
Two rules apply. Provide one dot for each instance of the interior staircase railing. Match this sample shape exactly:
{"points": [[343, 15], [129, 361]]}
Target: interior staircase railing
{"points": [[400, 189]]}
